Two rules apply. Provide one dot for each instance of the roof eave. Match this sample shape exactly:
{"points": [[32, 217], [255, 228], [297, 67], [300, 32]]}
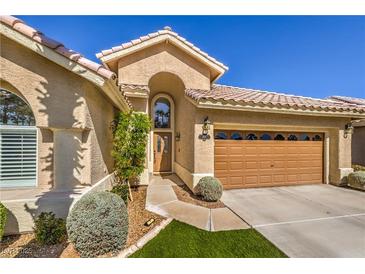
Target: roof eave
{"points": [[226, 105], [93, 77], [219, 69]]}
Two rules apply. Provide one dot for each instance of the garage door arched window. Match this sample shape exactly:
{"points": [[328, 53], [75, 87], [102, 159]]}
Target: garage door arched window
{"points": [[236, 136], [265, 137], [317, 138], [18, 142], [251, 136], [292, 137], [220, 136], [304, 137], [279, 137]]}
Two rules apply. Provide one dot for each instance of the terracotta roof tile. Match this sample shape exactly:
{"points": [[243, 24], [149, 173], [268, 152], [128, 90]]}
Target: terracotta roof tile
{"points": [[58, 47], [347, 99], [250, 96], [165, 31]]}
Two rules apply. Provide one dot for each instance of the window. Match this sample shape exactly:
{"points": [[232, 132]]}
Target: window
{"points": [[304, 137], [220, 136], [292, 137], [18, 142], [265, 137], [251, 136], [236, 136], [317, 138], [162, 113], [14, 111], [279, 137]]}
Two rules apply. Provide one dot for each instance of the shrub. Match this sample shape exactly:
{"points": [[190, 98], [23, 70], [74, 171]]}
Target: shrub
{"points": [[98, 224], [49, 230], [357, 167], [130, 138], [3, 218], [209, 188], [357, 180], [122, 190]]}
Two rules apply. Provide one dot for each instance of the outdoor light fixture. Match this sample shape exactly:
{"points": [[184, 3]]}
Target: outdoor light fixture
{"points": [[206, 126], [177, 136], [349, 129]]}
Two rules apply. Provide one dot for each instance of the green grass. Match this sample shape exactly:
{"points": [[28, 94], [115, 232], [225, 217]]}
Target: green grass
{"points": [[180, 240]]}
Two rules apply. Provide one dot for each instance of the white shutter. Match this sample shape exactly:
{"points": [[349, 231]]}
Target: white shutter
{"points": [[18, 156]]}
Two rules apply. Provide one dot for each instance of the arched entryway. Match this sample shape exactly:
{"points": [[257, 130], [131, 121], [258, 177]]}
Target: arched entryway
{"points": [[18, 142]]}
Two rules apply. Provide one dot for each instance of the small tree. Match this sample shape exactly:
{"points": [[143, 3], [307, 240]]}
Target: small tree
{"points": [[129, 145]]}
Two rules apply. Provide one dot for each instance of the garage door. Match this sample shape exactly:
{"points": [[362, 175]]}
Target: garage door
{"points": [[261, 159]]}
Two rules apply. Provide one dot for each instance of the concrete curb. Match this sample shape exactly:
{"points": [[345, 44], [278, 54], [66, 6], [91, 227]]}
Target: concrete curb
{"points": [[145, 239]]}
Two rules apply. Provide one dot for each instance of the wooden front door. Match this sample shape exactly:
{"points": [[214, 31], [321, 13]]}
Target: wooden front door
{"points": [[162, 152]]}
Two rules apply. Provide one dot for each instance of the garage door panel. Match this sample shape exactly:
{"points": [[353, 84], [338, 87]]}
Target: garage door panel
{"points": [[259, 163]]}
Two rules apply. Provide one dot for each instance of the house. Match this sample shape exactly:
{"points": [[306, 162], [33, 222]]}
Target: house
{"points": [[246, 138], [358, 137]]}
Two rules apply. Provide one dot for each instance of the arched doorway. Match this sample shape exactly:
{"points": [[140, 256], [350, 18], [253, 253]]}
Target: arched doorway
{"points": [[18, 142], [162, 132]]}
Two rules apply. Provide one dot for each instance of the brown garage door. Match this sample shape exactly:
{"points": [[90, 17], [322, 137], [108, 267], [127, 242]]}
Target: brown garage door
{"points": [[262, 159]]}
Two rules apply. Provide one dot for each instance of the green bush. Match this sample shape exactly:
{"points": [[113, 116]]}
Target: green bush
{"points": [[358, 167], [357, 180], [3, 218], [122, 190], [98, 224], [209, 188], [49, 230]]}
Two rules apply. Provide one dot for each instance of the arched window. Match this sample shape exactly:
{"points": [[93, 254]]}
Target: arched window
{"points": [[279, 137], [304, 137], [236, 136], [18, 142], [251, 136], [265, 137], [220, 136], [14, 111], [317, 138], [162, 113], [292, 137]]}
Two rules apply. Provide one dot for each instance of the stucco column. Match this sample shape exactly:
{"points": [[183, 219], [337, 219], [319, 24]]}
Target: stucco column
{"points": [[203, 153], [68, 158], [344, 155]]}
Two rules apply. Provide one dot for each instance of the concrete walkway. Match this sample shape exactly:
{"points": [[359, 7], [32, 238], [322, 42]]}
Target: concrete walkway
{"points": [[161, 199]]}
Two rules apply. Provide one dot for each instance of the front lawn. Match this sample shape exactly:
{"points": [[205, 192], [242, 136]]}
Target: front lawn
{"points": [[180, 240]]}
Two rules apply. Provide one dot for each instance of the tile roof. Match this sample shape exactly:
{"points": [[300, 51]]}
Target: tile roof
{"points": [[165, 31], [58, 47], [246, 96], [349, 100]]}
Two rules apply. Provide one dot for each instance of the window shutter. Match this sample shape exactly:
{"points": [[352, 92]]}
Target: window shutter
{"points": [[18, 156]]}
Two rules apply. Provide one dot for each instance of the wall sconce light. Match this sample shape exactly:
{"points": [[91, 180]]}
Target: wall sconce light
{"points": [[206, 126], [349, 129], [177, 136]]}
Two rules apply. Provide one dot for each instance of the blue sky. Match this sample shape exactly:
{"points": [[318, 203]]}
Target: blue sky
{"points": [[315, 56]]}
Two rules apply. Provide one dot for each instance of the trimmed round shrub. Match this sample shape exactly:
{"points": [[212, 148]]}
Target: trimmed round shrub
{"points": [[98, 224], [49, 230], [356, 180], [122, 190], [209, 188], [3, 219]]}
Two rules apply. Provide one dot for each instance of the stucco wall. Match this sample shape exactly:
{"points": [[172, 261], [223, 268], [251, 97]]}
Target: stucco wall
{"points": [[65, 106], [358, 145], [139, 67]]}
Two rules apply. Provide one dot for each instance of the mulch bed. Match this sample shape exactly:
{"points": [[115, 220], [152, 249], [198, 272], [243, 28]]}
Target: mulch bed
{"points": [[25, 246], [184, 194]]}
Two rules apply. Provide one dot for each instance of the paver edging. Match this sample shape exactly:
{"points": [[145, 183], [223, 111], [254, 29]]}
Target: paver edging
{"points": [[145, 239]]}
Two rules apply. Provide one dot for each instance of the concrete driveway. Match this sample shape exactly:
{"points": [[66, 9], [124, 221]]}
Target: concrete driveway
{"points": [[305, 221]]}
